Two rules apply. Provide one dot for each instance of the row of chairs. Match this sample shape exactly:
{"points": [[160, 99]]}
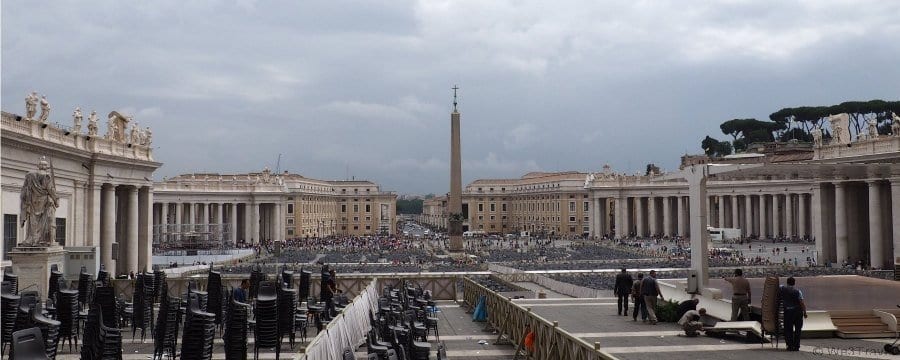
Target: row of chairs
{"points": [[400, 328]]}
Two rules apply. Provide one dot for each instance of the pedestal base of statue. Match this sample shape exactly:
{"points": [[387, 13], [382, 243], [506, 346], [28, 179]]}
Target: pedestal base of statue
{"points": [[32, 265], [458, 255], [456, 243]]}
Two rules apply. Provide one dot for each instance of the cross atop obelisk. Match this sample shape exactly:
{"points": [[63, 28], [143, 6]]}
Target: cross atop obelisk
{"points": [[454, 97]]}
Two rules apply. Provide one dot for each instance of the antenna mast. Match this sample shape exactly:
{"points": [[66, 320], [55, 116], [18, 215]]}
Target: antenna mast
{"points": [[278, 164]]}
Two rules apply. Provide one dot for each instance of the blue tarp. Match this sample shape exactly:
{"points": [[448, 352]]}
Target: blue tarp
{"points": [[480, 313]]}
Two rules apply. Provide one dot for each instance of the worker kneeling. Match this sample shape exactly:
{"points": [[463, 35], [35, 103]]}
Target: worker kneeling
{"points": [[690, 322]]}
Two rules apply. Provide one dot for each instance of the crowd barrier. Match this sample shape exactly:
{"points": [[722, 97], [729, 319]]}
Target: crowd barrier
{"points": [[510, 320], [347, 330]]}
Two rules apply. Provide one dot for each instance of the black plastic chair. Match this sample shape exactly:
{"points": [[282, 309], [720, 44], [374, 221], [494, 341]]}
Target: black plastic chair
{"points": [[266, 331], [236, 330], [199, 332], [67, 315], [28, 344], [9, 307]]}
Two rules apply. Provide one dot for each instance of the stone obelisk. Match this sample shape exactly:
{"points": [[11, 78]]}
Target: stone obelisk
{"points": [[455, 203]]}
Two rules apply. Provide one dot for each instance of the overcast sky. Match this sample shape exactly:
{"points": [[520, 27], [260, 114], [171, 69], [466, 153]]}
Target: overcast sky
{"points": [[544, 85]]}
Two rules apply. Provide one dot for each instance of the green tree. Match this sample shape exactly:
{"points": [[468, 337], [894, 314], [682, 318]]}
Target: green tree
{"points": [[715, 148]]}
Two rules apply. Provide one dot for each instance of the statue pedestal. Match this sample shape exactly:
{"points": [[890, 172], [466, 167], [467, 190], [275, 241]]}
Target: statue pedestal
{"points": [[32, 265]]}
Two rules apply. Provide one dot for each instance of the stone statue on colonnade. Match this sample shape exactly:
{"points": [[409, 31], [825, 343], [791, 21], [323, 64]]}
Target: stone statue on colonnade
{"points": [[839, 123], [45, 109], [38, 206], [817, 136], [92, 124], [31, 101], [77, 117], [895, 125], [873, 128]]}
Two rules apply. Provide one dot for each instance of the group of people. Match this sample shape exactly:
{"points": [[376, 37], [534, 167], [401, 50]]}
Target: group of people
{"points": [[644, 292]]}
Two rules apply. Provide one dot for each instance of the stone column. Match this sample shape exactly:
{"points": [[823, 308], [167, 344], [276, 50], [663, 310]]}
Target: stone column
{"points": [[776, 215], [876, 233], [220, 228], [667, 216], [789, 215], [232, 221], [164, 221], [595, 218], [802, 228], [735, 212], [254, 223], [721, 210], [895, 218], [108, 228], [748, 215], [840, 222], [763, 231], [620, 217], [130, 251], [682, 216], [94, 204], [640, 210], [145, 228]]}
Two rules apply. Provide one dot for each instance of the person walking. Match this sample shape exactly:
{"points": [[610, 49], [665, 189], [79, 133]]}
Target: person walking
{"points": [[639, 306], [650, 291], [622, 290], [740, 296], [794, 313]]}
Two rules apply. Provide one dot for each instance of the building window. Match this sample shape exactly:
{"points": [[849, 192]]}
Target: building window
{"points": [[492, 217], [587, 206], [503, 207], [493, 207], [344, 208], [61, 231], [10, 233], [368, 218], [290, 221], [290, 208], [571, 219], [290, 231], [480, 207], [356, 208], [586, 219], [355, 227], [368, 208], [356, 219], [571, 206], [343, 227], [368, 227]]}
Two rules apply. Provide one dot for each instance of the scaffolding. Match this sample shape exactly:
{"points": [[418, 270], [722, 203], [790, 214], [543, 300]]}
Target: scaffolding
{"points": [[192, 237]]}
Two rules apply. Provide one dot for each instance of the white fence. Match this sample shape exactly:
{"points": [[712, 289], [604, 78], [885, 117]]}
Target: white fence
{"points": [[347, 330]]}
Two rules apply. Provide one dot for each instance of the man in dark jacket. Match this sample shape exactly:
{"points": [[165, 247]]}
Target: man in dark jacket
{"points": [[686, 306], [622, 290], [794, 313]]}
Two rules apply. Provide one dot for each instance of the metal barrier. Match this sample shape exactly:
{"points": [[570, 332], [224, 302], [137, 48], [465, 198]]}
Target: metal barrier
{"points": [[510, 319], [443, 286]]}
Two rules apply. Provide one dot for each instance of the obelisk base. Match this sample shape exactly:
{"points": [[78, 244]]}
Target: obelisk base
{"points": [[456, 244], [32, 265]]}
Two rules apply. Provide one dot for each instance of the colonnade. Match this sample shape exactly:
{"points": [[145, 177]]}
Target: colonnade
{"points": [[772, 215], [125, 231], [227, 223], [656, 215]]}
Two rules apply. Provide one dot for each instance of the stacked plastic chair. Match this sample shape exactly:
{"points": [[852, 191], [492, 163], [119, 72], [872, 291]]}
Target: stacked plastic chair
{"points": [[49, 331], [56, 282], [67, 315], [13, 281], [159, 278], [102, 340], [236, 329], [85, 285], [266, 312], [304, 284], [103, 276], [256, 278], [165, 337], [202, 296], [216, 296], [28, 300], [199, 332], [287, 308], [9, 307], [28, 344], [142, 311]]}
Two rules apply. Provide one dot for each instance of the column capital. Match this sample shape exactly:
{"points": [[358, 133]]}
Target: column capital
{"points": [[873, 182], [133, 189]]}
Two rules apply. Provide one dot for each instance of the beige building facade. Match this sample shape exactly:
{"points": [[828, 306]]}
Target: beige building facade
{"points": [[207, 210]]}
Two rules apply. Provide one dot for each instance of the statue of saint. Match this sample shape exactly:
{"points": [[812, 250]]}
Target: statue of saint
{"points": [[135, 137], [112, 130], [77, 116], [92, 124], [895, 124], [148, 136], [873, 128], [31, 101], [38, 206], [817, 136], [45, 109]]}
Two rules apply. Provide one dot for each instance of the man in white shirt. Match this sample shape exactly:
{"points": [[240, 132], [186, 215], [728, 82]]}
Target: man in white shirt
{"points": [[690, 322]]}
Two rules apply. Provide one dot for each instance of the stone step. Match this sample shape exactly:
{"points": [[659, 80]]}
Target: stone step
{"points": [[865, 334]]}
